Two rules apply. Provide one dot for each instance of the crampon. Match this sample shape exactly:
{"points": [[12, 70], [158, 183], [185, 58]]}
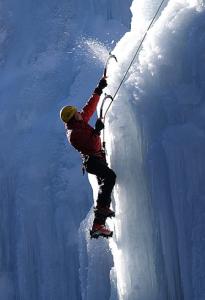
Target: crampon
{"points": [[100, 230]]}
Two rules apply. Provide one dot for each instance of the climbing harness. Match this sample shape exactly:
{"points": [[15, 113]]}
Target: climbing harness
{"points": [[84, 158], [106, 66]]}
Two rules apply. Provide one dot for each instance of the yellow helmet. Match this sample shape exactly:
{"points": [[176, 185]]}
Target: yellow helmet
{"points": [[67, 112]]}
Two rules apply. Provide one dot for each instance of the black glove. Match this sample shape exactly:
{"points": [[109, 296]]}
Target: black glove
{"points": [[99, 125], [102, 84]]}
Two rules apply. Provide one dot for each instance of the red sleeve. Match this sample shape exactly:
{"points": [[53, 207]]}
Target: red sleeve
{"points": [[90, 107]]}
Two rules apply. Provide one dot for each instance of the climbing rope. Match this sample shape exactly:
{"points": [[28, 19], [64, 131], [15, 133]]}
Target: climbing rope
{"points": [[136, 53], [105, 71]]}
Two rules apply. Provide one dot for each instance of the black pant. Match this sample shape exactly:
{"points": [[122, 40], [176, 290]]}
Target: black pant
{"points": [[106, 179]]}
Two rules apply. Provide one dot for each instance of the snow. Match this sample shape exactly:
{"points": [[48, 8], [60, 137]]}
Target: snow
{"points": [[95, 264], [156, 143], [53, 53]]}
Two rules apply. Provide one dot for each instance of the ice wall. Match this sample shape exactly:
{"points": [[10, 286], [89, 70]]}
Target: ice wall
{"points": [[43, 66], [156, 137]]}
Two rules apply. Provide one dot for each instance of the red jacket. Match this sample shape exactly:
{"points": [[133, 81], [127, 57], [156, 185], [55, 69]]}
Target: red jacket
{"points": [[80, 134]]}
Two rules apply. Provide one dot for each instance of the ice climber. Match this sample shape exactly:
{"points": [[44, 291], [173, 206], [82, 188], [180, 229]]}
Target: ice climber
{"points": [[86, 139]]}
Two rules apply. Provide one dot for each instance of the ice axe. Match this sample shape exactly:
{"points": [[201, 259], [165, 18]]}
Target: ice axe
{"points": [[102, 117], [106, 96], [107, 63]]}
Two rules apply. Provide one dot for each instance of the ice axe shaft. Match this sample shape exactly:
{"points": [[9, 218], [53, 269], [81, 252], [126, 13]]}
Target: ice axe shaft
{"points": [[102, 117], [103, 102]]}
